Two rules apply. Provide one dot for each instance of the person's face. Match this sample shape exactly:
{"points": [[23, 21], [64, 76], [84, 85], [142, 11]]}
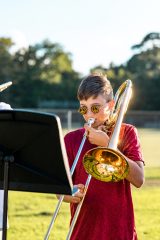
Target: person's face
{"points": [[97, 108]]}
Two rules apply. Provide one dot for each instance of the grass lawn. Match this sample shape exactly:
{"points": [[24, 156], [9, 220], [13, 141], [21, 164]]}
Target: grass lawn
{"points": [[31, 213], [147, 212]]}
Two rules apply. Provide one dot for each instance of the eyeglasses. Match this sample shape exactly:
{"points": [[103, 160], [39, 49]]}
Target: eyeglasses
{"points": [[95, 108]]}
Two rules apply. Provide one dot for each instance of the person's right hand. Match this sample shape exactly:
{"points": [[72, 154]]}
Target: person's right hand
{"points": [[77, 196], [97, 136]]}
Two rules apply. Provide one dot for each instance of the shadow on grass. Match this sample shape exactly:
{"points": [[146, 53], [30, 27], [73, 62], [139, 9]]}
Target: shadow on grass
{"points": [[33, 214]]}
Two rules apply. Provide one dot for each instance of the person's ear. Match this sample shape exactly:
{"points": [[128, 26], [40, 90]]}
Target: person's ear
{"points": [[111, 104]]}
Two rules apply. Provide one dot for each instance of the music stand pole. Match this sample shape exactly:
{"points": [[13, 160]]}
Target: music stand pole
{"points": [[7, 160]]}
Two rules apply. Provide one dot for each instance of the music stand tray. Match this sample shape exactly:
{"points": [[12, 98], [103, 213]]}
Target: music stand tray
{"points": [[32, 155]]}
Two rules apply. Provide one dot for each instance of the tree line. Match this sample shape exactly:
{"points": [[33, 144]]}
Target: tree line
{"points": [[43, 73]]}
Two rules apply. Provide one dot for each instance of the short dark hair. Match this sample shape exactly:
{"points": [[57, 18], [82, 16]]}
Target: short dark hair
{"points": [[93, 85]]}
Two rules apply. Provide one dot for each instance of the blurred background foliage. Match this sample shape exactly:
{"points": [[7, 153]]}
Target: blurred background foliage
{"points": [[43, 74]]}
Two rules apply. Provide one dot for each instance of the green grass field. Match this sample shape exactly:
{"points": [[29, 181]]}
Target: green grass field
{"points": [[31, 213]]}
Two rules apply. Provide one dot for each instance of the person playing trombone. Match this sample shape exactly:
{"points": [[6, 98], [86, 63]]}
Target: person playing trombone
{"points": [[107, 212]]}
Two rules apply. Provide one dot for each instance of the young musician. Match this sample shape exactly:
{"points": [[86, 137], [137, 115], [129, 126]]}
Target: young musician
{"points": [[107, 211]]}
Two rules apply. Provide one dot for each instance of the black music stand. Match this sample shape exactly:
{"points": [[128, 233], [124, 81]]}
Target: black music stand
{"points": [[32, 155]]}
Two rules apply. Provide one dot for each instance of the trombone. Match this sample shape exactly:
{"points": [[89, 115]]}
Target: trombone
{"points": [[107, 164], [90, 122]]}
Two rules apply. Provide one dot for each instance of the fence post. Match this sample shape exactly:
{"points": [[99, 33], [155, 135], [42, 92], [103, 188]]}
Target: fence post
{"points": [[69, 119]]}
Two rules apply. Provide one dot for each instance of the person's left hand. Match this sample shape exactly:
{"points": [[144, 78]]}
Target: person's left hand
{"points": [[96, 136]]}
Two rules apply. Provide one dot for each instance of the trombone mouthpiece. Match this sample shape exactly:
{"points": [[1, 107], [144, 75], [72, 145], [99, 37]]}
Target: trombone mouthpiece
{"points": [[90, 121]]}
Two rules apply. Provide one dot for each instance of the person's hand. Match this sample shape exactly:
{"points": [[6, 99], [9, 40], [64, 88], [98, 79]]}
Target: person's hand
{"points": [[97, 136], [77, 197], [5, 106]]}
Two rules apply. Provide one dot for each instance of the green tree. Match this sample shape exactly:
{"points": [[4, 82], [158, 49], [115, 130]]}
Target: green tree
{"points": [[6, 66], [39, 72], [145, 70], [152, 38]]}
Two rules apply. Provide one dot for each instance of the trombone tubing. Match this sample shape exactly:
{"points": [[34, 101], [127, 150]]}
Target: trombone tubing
{"points": [[90, 122], [126, 97]]}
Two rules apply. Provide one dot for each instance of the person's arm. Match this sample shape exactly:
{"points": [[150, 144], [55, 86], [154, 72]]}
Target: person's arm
{"points": [[136, 172]]}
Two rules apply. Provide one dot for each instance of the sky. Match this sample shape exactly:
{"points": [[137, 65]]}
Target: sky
{"points": [[95, 32]]}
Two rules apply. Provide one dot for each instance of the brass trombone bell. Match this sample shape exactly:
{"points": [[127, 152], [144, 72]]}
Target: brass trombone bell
{"points": [[105, 164]]}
